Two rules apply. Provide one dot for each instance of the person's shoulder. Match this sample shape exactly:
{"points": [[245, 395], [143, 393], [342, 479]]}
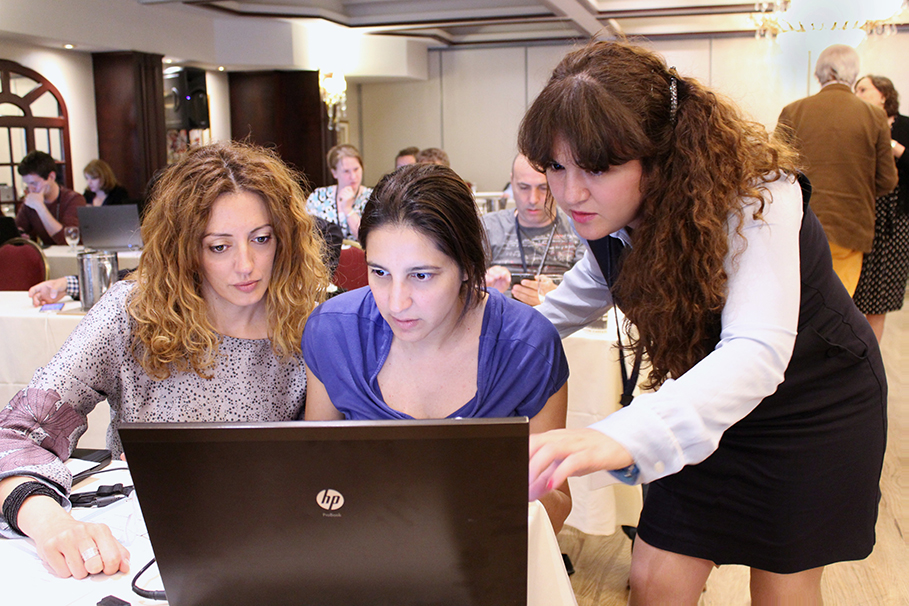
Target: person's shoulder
{"points": [[499, 217], [320, 193], [113, 303], [118, 195], [353, 302], [72, 197], [519, 321], [122, 289]]}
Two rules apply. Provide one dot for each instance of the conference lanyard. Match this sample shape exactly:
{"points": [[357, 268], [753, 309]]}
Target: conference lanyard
{"points": [[517, 226]]}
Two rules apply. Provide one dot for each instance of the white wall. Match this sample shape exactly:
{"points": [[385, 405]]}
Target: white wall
{"points": [[474, 99]]}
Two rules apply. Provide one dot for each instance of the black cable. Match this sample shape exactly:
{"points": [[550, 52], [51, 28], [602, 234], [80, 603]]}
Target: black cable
{"points": [[88, 473], [147, 593]]}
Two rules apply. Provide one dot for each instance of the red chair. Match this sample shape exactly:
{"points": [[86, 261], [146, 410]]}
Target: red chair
{"points": [[352, 271], [22, 264]]}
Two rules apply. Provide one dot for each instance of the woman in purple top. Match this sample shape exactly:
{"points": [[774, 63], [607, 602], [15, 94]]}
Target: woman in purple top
{"points": [[426, 340]]}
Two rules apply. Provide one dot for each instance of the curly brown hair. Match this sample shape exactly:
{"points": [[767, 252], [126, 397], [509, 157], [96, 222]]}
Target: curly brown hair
{"points": [[173, 330], [611, 102]]}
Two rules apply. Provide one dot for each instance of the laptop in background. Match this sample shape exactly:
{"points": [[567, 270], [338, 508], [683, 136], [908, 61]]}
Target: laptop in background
{"points": [[114, 228], [337, 513]]}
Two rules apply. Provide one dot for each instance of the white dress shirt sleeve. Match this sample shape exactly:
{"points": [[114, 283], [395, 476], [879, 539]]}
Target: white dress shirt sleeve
{"points": [[682, 423], [581, 298]]}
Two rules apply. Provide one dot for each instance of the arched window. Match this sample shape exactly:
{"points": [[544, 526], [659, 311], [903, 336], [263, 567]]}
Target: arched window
{"points": [[32, 116]]}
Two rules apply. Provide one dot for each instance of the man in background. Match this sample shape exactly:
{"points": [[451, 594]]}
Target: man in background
{"points": [[47, 207], [406, 156], [433, 155], [846, 145], [532, 245]]}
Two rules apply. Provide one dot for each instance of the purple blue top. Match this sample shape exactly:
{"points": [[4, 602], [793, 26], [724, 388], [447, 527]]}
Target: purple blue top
{"points": [[521, 361]]}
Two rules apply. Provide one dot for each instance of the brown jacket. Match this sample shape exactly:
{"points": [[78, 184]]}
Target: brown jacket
{"points": [[845, 144]]}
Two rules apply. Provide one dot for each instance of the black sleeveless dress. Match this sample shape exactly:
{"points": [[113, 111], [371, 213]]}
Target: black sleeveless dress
{"points": [[795, 484]]}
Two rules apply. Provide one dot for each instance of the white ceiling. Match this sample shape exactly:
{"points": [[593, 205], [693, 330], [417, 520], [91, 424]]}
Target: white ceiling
{"points": [[471, 22]]}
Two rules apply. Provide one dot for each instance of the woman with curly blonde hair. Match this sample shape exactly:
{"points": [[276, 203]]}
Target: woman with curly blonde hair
{"points": [[207, 329], [770, 391]]}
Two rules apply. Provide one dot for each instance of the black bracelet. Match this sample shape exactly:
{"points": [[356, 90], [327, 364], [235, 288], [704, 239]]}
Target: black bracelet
{"points": [[14, 501]]}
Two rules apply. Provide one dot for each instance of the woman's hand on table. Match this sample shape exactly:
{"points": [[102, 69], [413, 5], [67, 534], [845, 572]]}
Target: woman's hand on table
{"points": [[49, 291], [70, 547], [562, 453]]}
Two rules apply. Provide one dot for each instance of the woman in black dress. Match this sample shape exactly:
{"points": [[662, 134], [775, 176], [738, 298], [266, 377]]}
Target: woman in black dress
{"points": [[764, 441], [882, 284]]}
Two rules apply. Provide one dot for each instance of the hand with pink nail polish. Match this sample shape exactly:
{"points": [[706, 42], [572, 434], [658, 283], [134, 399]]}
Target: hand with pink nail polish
{"points": [[562, 453]]}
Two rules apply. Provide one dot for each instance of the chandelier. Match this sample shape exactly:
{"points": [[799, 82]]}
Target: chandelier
{"points": [[333, 87], [785, 16]]}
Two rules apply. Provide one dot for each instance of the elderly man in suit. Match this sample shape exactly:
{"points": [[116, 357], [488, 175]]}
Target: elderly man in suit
{"points": [[845, 144]]}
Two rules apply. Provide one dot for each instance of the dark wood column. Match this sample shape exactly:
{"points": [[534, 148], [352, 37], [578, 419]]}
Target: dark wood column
{"points": [[284, 110], [129, 101]]}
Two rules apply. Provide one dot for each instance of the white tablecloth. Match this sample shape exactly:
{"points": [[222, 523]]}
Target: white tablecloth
{"points": [[27, 581], [594, 388], [30, 338], [61, 260]]}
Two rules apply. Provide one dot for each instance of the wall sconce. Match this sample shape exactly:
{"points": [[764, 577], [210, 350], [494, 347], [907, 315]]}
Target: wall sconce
{"points": [[333, 87]]}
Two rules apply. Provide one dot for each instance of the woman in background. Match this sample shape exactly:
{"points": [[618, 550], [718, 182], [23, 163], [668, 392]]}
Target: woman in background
{"points": [[426, 340], [882, 283], [102, 188], [342, 203], [764, 441], [206, 329]]}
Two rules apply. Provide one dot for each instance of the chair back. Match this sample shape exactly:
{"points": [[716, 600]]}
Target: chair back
{"points": [[352, 271], [22, 264]]}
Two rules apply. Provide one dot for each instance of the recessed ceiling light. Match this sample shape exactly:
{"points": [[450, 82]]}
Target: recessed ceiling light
{"points": [[220, 68], [68, 46], [168, 61]]}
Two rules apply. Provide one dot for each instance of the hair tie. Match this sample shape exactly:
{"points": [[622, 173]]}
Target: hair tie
{"points": [[673, 98]]}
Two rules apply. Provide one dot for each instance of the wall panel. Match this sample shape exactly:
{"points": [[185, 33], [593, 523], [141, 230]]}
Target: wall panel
{"points": [[397, 115]]}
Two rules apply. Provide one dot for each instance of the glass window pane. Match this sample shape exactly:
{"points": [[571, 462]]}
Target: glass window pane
{"points": [[18, 185], [7, 205], [46, 106], [17, 140], [5, 157], [8, 109], [56, 143], [21, 85], [42, 143]]}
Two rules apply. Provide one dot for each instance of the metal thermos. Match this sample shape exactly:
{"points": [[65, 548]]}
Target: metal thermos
{"points": [[98, 270]]}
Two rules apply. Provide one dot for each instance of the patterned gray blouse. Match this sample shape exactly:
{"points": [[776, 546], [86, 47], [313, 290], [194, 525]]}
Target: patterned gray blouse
{"points": [[43, 423]]}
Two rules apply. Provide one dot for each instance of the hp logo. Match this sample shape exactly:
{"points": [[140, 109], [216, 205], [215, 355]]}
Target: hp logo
{"points": [[330, 500]]}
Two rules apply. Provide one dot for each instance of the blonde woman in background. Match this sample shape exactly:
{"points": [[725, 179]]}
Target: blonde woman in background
{"points": [[342, 203], [102, 188]]}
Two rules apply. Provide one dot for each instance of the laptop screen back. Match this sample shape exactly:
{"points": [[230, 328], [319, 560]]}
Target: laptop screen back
{"points": [[342, 513], [110, 227]]}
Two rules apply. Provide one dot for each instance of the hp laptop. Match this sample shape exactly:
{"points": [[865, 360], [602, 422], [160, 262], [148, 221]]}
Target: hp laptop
{"points": [[114, 228], [342, 513]]}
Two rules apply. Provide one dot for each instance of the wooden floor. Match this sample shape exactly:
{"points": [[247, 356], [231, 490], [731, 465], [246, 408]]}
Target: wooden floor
{"points": [[602, 563]]}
